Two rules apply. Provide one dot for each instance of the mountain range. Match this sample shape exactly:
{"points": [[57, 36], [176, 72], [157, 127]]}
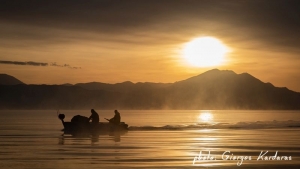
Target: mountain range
{"points": [[214, 89]]}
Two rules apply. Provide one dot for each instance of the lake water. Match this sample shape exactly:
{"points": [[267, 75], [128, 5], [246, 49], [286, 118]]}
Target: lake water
{"points": [[156, 139]]}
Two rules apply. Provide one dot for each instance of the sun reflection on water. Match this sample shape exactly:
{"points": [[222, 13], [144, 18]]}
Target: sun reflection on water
{"points": [[205, 116]]}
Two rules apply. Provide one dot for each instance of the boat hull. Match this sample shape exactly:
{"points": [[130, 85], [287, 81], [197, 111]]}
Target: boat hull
{"points": [[89, 129]]}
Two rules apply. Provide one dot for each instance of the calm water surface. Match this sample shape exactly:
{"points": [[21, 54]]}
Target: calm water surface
{"points": [[156, 139]]}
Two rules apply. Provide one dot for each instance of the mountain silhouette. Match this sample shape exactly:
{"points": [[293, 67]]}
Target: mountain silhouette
{"points": [[217, 89], [214, 89], [9, 80]]}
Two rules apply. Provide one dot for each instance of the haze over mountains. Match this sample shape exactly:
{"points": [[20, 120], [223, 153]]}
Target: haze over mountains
{"points": [[214, 89]]}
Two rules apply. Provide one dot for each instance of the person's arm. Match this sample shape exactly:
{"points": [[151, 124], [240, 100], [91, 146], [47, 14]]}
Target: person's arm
{"points": [[112, 119]]}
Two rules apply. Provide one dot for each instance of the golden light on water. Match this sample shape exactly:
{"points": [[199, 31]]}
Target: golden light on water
{"points": [[205, 52], [206, 117]]}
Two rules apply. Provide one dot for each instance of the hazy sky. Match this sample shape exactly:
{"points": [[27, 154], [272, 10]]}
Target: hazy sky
{"points": [[112, 41]]}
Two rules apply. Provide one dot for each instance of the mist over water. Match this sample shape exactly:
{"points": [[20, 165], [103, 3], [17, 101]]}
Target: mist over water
{"points": [[156, 139]]}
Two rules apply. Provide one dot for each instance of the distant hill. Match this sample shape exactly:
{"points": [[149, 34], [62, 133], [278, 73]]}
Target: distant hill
{"points": [[217, 89], [214, 89], [9, 80], [121, 87]]}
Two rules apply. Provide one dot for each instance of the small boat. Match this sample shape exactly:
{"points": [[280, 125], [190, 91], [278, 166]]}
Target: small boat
{"points": [[79, 126]]}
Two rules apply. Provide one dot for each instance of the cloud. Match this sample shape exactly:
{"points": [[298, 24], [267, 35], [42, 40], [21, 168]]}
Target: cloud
{"points": [[275, 22], [30, 63], [269, 25], [64, 65], [23, 63]]}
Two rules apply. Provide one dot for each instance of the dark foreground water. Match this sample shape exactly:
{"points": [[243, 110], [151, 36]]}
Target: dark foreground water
{"points": [[156, 139]]}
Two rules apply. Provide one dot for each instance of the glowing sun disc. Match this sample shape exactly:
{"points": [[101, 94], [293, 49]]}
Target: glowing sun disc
{"points": [[205, 52]]}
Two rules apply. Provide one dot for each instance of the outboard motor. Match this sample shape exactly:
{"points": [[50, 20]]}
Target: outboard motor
{"points": [[61, 117]]}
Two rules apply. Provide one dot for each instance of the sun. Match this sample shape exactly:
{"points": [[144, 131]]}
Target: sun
{"points": [[205, 52]]}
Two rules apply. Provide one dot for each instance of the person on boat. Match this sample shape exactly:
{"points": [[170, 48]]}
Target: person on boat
{"points": [[116, 119], [94, 117]]}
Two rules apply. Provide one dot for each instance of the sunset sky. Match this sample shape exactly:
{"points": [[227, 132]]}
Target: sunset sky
{"points": [[111, 41]]}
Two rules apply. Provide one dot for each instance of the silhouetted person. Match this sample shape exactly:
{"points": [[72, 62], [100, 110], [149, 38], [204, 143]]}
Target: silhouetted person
{"points": [[116, 119], [94, 117]]}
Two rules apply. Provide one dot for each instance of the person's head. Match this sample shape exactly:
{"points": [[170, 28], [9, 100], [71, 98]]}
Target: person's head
{"points": [[93, 111], [116, 112]]}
